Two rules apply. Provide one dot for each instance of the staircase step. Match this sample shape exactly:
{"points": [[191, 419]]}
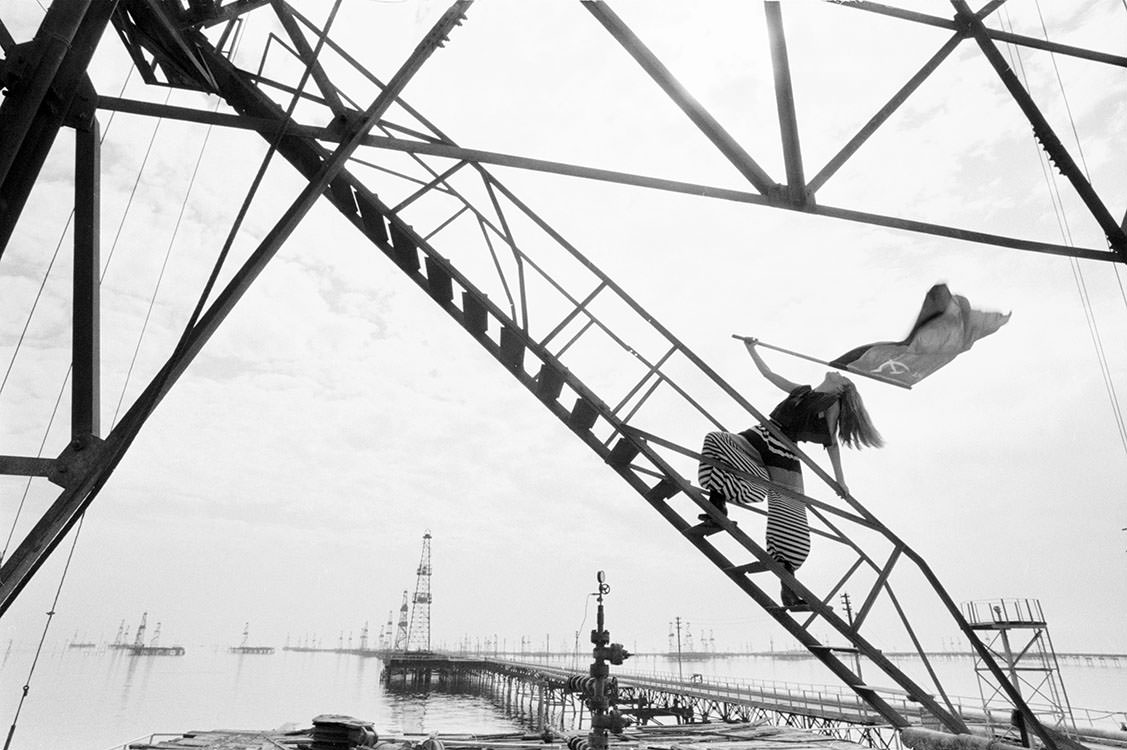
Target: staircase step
{"points": [[663, 490], [623, 453], [475, 316], [512, 348], [342, 194], [549, 383], [373, 220], [406, 254], [704, 529], [583, 415], [439, 282]]}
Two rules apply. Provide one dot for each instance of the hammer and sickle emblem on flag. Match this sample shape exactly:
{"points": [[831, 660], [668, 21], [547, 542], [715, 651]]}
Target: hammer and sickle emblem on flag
{"points": [[892, 367]]}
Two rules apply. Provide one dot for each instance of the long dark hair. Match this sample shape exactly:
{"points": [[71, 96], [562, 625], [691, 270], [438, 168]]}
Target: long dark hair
{"points": [[854, 426]]}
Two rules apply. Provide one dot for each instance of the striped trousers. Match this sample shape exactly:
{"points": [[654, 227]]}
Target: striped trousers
{"points": [[756, 452]]}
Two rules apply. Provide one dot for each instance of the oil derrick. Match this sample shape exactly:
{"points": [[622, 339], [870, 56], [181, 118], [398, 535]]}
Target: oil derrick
{"points": [[139, 639], [418, 634], [386, 632], [401, 632], [121, 640]]}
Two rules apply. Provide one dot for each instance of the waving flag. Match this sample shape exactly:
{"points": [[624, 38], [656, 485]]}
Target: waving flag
{"points": [[947, 326]]}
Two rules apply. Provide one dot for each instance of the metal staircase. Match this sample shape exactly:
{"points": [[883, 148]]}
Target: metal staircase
{"points": [[615, 376], [543, 333]]}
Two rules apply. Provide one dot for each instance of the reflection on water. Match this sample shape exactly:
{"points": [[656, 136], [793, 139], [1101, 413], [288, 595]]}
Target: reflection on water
{"points": [[96, 698], [470, 701], [99, 698]]}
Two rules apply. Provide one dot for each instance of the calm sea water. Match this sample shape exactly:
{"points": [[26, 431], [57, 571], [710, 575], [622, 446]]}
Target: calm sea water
{"points": [[99, 699]]}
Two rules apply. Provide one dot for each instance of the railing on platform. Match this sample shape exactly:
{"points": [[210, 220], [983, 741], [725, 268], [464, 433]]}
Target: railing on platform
{"points": [[816, 698]]}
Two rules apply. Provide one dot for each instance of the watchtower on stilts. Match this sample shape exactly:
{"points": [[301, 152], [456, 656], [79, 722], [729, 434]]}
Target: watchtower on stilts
{"points": [[1015, 632]]}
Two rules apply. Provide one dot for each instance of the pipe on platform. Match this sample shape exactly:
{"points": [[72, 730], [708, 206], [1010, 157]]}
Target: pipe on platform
{"points": [[929, 739]]}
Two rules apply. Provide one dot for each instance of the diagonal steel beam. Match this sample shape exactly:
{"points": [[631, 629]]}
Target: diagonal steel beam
{"points": [[897, 99], [64, 512], [990, 7], [6, 40], [1053, 742], [784, 101], [23, 101], [682, 98], [996, 34], [870, 127], [1044, 132], [32, 113], [305, 53], [217, 15], [871, 599]]}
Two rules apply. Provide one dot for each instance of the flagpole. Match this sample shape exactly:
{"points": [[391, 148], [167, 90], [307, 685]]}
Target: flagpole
{"points": [[869, 375]]}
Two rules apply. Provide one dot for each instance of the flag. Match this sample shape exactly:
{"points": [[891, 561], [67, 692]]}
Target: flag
{"points": [[946, 327]]}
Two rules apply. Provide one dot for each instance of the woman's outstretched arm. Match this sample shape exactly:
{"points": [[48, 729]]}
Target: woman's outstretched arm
{"points": [[834, 449], [777, 380]]}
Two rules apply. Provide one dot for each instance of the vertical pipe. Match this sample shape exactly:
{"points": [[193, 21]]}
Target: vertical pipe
{"points": [[85, 344]]}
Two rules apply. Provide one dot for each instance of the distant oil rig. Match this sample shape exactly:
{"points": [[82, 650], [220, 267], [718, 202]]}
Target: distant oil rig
{"points": [[244, 648], [139, 648], [412, 633]]}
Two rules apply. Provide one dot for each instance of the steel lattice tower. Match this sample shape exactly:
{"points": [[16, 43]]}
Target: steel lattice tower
{"points": [[401, 631], [1017, 635], [387, 632], [192, 48], [418, 635], [139, 639]]}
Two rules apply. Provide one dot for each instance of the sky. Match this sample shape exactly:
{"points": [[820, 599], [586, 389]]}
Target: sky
{"points": [[338, 414]]}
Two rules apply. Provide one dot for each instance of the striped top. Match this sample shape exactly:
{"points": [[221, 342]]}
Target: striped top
{"points": [[802, 415]]}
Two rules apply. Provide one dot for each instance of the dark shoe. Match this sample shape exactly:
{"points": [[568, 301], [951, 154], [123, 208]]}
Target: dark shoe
{"points": [[791, 600], [718, 501]]}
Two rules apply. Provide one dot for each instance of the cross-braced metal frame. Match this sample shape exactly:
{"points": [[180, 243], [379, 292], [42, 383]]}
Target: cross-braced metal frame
{"points": [[464, 238]]}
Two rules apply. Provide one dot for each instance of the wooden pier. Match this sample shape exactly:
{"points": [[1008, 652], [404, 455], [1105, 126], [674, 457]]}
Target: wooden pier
{"points": [[546, 694], [686, 737], [263, 650], [542, 692], [156, 650]]}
